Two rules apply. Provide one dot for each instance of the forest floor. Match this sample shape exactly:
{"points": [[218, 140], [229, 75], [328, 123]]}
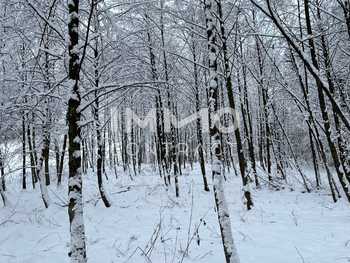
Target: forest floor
{"points": [[147, 223]]}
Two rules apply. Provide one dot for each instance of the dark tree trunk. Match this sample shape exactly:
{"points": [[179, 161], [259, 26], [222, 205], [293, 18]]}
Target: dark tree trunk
{"points": [[2, 183], [198, 122], [32, 157], [235, 115], [100, 142], [24, 153], [63, 152]]}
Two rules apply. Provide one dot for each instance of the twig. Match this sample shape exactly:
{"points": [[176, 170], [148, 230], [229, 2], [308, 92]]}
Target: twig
{"points": [[8, 219], [301, 256]]}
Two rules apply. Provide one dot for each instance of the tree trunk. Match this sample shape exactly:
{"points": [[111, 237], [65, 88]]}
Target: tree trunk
{"points": [[235, 116], [32, 157], [75, 195], [2, 183], [218, 188], [99, 141], [60, 168], [24, 154], [198, 121]]}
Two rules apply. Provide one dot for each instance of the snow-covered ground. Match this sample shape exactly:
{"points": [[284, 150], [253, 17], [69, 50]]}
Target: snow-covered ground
{"points": [[146, 223]]}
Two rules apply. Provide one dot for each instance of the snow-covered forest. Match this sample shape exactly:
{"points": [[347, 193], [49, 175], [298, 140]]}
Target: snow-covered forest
{"points": [[175, 131]]}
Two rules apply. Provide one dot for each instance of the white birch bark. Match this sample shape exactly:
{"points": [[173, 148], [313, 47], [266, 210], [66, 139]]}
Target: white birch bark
{"points": [[75, 196], [218, 187]]}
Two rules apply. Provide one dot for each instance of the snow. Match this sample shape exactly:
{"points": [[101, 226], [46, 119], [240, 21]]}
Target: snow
{"points": [[76, 154], [284, 226], [75, 49], [73, 15], [77, 139]]}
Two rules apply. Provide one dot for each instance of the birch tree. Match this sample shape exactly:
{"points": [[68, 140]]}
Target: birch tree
{"points": [[218, 187], [75, 207]]}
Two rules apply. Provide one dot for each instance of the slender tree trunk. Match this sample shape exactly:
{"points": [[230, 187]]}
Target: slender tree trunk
{"points": [[240, 152], [32, 157], [99, 157], [231, 255], [133, 146], [305, 89], [47, 121], [265, 101], [46, 160], [35, 154], [57, 156], [41, 178], [60, 168], [2, 191], [2, 183], [24, 153], [198, 121], [99, 141], [160, 139], [247, 119]]}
